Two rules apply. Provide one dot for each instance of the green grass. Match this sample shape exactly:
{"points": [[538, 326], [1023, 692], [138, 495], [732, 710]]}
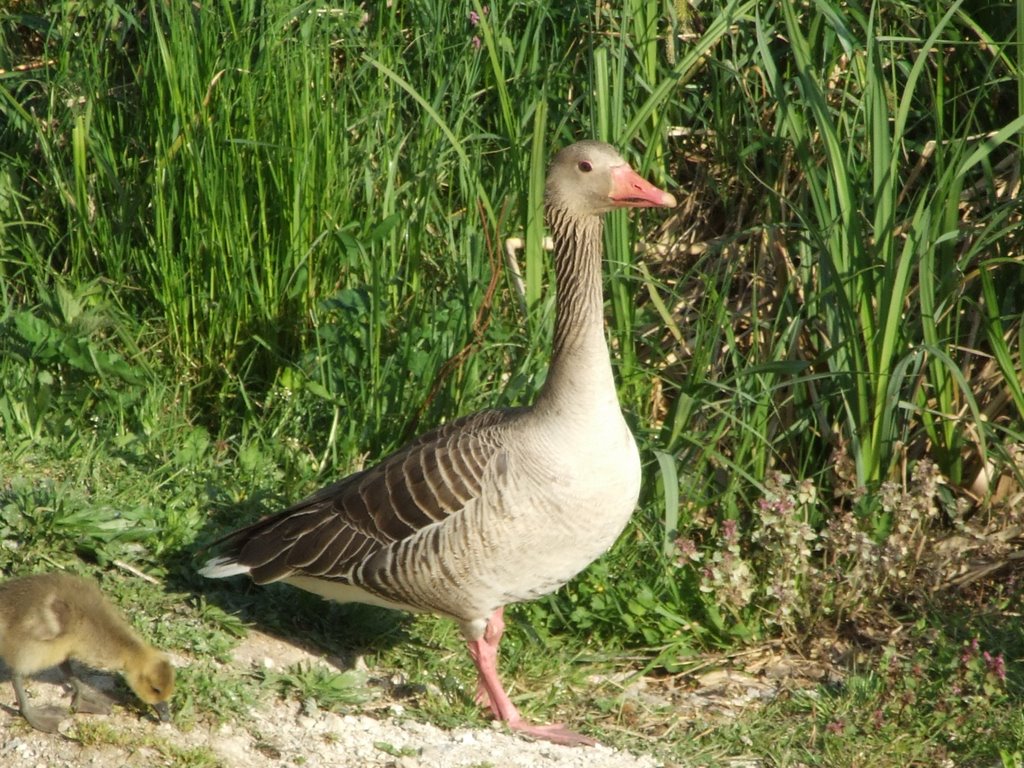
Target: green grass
{"points": [[164, 751], [329, 690], [245, 247]]}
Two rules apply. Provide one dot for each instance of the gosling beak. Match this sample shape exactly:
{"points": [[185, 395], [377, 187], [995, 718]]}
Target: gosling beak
{"points": [[163, 711]]}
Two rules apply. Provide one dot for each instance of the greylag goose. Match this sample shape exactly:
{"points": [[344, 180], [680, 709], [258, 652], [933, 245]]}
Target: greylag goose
{"points": [[49, 618], [498, 507]]}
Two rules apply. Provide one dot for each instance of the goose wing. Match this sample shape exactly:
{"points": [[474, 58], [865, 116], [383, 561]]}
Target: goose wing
{"points": [[331, 532]]}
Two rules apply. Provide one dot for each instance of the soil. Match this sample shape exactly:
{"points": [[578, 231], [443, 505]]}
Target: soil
{"points": [[279, 734], [287, 734]]}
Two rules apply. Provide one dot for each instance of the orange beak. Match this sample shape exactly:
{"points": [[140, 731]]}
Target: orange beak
{"points": [[631, 190]]}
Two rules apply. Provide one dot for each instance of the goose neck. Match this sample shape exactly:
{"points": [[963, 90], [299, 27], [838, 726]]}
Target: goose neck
{"points": [[580, 365]]}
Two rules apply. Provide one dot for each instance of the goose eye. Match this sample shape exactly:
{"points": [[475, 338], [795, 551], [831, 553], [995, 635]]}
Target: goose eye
{"points": [[585, 166]]}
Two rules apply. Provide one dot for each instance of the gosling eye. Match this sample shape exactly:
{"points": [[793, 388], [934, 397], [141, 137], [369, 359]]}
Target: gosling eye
{"points": [[585, 166]]}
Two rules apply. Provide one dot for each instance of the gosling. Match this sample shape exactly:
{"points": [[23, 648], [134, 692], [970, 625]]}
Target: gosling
{"points": [[48, 619]]}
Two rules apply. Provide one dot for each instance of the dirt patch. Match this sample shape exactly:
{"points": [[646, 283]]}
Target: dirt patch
{"points": [[279, 734]]}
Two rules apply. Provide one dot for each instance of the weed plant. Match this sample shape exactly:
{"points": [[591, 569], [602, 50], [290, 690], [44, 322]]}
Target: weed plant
{"points": [[246, 247]]}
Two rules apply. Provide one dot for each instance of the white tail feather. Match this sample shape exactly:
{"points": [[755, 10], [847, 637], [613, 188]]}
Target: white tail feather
{"points": [[222, 567]]}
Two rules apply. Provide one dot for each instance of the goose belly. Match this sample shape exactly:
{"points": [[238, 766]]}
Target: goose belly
{"points": [[547, 557], [548, 522], [343, 592]]}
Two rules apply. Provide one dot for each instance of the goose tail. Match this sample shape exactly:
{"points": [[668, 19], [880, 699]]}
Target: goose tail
{"points": [[223, 567]]}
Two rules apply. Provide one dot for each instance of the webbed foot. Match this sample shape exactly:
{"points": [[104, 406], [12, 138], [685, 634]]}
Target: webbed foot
{"points": [[44, 719], [555, 733], [90, 701]]}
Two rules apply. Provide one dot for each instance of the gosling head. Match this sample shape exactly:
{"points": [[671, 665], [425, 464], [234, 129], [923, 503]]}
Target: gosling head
{"points": [[151, 676]]}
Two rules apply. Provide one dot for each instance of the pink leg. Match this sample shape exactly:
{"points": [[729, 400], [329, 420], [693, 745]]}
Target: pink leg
{"points": [[492, 636], [490, 692]]}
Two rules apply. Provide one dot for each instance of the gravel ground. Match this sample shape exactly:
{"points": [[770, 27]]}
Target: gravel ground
{"points": [[287, 734], [280, 734]]}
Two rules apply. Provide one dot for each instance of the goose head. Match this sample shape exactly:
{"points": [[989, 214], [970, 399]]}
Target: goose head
{"points": [[590, 178]]}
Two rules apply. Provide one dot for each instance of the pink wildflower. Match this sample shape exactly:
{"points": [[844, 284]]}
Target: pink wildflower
{"points": [[687, 550], [996, 665]]}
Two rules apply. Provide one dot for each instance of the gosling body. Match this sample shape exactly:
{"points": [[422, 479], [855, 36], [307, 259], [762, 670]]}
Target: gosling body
{"points": [[48, 619]]}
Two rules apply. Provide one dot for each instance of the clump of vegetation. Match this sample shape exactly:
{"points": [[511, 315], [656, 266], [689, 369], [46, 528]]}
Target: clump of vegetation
{"points": [[321, 687], [804, 578]]}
